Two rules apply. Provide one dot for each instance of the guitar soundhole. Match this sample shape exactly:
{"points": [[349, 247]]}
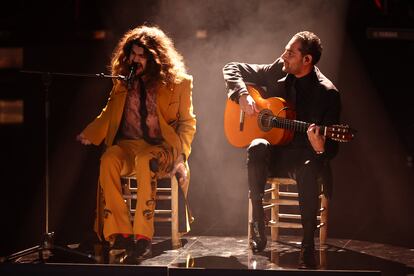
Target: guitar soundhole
{"points": [[264, 119]]}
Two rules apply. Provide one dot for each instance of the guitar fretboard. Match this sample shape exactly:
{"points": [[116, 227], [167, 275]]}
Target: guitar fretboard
{"points": [[294, 125]]}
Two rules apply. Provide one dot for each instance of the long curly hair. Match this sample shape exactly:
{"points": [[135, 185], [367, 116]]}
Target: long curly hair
{"points": [[164, 63]]}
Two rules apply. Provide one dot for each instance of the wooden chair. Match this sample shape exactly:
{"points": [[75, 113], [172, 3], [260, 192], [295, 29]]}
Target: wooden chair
{"points": [[283, 192], [129, 190]]}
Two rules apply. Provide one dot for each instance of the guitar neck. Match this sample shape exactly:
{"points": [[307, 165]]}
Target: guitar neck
{"points": [[295, 125]]}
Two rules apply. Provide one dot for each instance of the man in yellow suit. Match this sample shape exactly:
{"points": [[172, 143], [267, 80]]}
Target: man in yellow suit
{"points": [[148, 126]]}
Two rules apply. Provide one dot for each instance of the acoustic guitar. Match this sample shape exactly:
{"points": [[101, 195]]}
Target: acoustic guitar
{"points": [[275, 122]]}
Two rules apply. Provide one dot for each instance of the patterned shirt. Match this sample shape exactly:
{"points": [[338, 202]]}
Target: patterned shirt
{"points": [[131, 119]]}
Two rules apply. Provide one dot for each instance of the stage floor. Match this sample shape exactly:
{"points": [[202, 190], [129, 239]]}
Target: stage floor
{"points": [[213, 252]]}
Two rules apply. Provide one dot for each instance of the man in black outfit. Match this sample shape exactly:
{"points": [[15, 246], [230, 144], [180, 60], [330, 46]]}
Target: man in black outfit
{"points": [[294, 77]]}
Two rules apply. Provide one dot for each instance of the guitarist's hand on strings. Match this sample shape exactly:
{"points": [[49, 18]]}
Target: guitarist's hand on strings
{"points": [[316, 139], [248, 105]]}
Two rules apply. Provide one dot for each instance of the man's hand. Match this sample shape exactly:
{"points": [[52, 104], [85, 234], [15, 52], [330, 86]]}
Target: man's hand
{"points": [[248, 105], [180, 169], [317, 141], [81, 138]]}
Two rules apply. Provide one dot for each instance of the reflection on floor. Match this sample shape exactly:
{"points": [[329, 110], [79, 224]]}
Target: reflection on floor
{"points": [[232, 253]]}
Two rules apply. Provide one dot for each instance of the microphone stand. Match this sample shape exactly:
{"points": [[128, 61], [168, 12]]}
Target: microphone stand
{"points": [[44, 249]]}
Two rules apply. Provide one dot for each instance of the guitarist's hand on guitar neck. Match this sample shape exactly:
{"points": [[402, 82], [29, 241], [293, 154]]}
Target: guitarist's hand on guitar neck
{"points": [[316, 139], [273, 120], [248, 105]]}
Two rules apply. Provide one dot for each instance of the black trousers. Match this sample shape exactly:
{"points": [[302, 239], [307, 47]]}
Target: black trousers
{"points": [[264, 160]]}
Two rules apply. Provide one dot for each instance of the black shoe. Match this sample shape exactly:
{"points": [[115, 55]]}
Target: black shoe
{"points": [[88, 243], [121, 245], [126, 258], [307, 259], [258, 237], [123, 250], [143, 249]]}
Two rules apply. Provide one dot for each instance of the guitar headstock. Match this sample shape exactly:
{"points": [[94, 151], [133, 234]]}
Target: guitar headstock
{"points": [[340, 133]]}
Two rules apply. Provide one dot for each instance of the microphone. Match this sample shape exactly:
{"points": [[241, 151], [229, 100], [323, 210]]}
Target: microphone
{"points": [[131, 74]]}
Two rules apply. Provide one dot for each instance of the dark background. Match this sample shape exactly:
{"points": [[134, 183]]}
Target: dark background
{"points": [[373, 174]]}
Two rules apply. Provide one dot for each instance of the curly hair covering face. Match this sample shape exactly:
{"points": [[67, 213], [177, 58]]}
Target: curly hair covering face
{"points": [[164, 63]]}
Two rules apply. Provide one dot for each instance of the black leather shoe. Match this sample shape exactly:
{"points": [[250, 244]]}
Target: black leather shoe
{"points": [[122, 251], [143, 249], [88, 243], [121, 242], [258, 237], [128, 258], [307, 259], [121, 245]]}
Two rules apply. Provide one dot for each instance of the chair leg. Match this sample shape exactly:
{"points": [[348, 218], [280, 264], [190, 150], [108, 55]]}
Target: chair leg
{"points": [[175, 236], [274, 211], [323, 231], [322, 258], [249, 219]]}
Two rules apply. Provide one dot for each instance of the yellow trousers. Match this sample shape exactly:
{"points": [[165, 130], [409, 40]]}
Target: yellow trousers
{"points": [[126, 158]]}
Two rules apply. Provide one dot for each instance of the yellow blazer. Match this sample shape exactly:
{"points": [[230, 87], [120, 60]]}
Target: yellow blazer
{"points": [[176, 118], [175, 113]]}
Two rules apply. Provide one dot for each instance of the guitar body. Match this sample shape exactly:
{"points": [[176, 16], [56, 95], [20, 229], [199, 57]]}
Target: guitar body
{"points": [[251, 130]]}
